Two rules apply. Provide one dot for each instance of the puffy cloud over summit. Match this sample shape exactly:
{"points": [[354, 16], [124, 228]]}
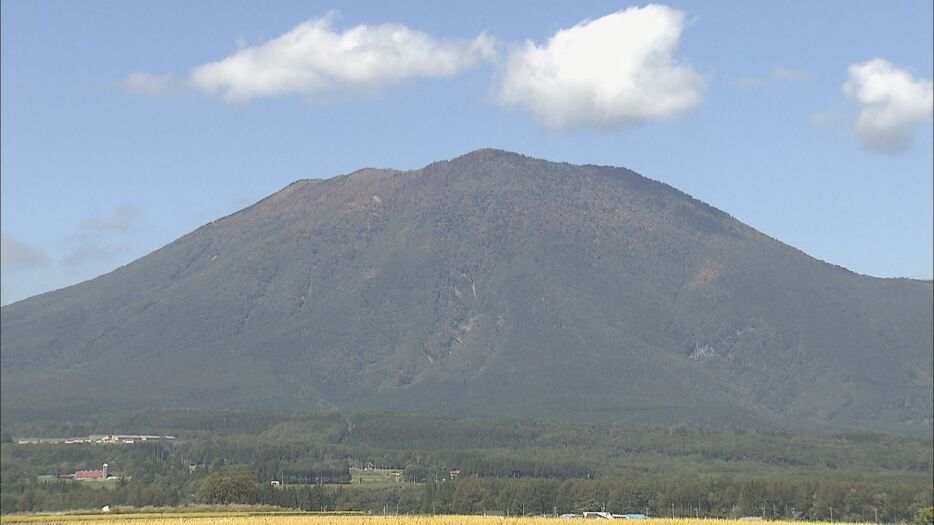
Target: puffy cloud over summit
{"points": [[607, 73]]}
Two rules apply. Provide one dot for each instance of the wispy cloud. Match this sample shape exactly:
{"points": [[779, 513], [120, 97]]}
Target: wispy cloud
{"points": [[314, 59], [99, 239], [87, 250], [784, 73], [606, 73], [149, 85], [118, 222], [823, 118], [18, 254], [892, 104], [779, 74]]}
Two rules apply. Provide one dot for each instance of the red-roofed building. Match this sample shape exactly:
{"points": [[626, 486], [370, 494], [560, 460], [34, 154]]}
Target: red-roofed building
{"points": [[92, 474]]}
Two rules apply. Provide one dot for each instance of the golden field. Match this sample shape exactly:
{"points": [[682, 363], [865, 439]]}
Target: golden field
{"points": [[247, 518]]}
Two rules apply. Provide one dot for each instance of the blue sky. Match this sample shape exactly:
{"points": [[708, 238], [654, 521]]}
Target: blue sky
{"points": [[810, 121]]}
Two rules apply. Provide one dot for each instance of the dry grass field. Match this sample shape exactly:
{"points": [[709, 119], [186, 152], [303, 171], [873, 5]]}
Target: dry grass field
{"points": [[246, 518]]}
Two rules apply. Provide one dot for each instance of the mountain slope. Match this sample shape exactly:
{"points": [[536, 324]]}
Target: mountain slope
{"points": [[489, 284]]}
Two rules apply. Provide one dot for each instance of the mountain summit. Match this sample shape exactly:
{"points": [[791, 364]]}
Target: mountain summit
{"points": [[490, 284]]}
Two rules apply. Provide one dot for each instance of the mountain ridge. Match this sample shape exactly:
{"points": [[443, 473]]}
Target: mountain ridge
{"points": [[488, 284]]}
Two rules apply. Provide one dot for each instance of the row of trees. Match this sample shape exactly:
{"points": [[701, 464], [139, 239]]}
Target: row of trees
{"points": [[681, 497], [716, 497]]}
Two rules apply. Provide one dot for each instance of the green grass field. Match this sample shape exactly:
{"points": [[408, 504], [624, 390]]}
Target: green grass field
{"points": [[107, 484], [375, 475]]}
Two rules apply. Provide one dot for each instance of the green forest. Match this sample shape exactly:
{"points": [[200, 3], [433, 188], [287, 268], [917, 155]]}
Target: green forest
{"points": [[509, 466]]}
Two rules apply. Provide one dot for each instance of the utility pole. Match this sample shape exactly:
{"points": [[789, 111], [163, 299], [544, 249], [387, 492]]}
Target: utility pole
{"points": [[831, 514], [672, 510]]}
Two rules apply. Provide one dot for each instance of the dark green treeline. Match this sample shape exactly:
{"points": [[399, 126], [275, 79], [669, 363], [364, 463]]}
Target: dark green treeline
{"points": [[509, 466]]}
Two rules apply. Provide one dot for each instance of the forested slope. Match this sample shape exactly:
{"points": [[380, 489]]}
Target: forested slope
{"points": [[490, 284]]}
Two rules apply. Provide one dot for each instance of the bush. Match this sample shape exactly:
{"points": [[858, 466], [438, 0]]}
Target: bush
{"points": [[237, 487], [924, 516]]}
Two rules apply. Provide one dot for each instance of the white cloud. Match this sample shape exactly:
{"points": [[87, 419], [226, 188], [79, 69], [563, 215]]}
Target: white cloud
{"points": [[17, 254], [605, 73], [891, 104], [147, 84], [314, 58]]}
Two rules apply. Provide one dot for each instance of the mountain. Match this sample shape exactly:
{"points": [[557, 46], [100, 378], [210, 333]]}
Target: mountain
{"points": [[490, 284]]}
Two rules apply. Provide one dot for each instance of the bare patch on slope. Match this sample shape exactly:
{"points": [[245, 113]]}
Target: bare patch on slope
{"points": [[706, 273]]}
